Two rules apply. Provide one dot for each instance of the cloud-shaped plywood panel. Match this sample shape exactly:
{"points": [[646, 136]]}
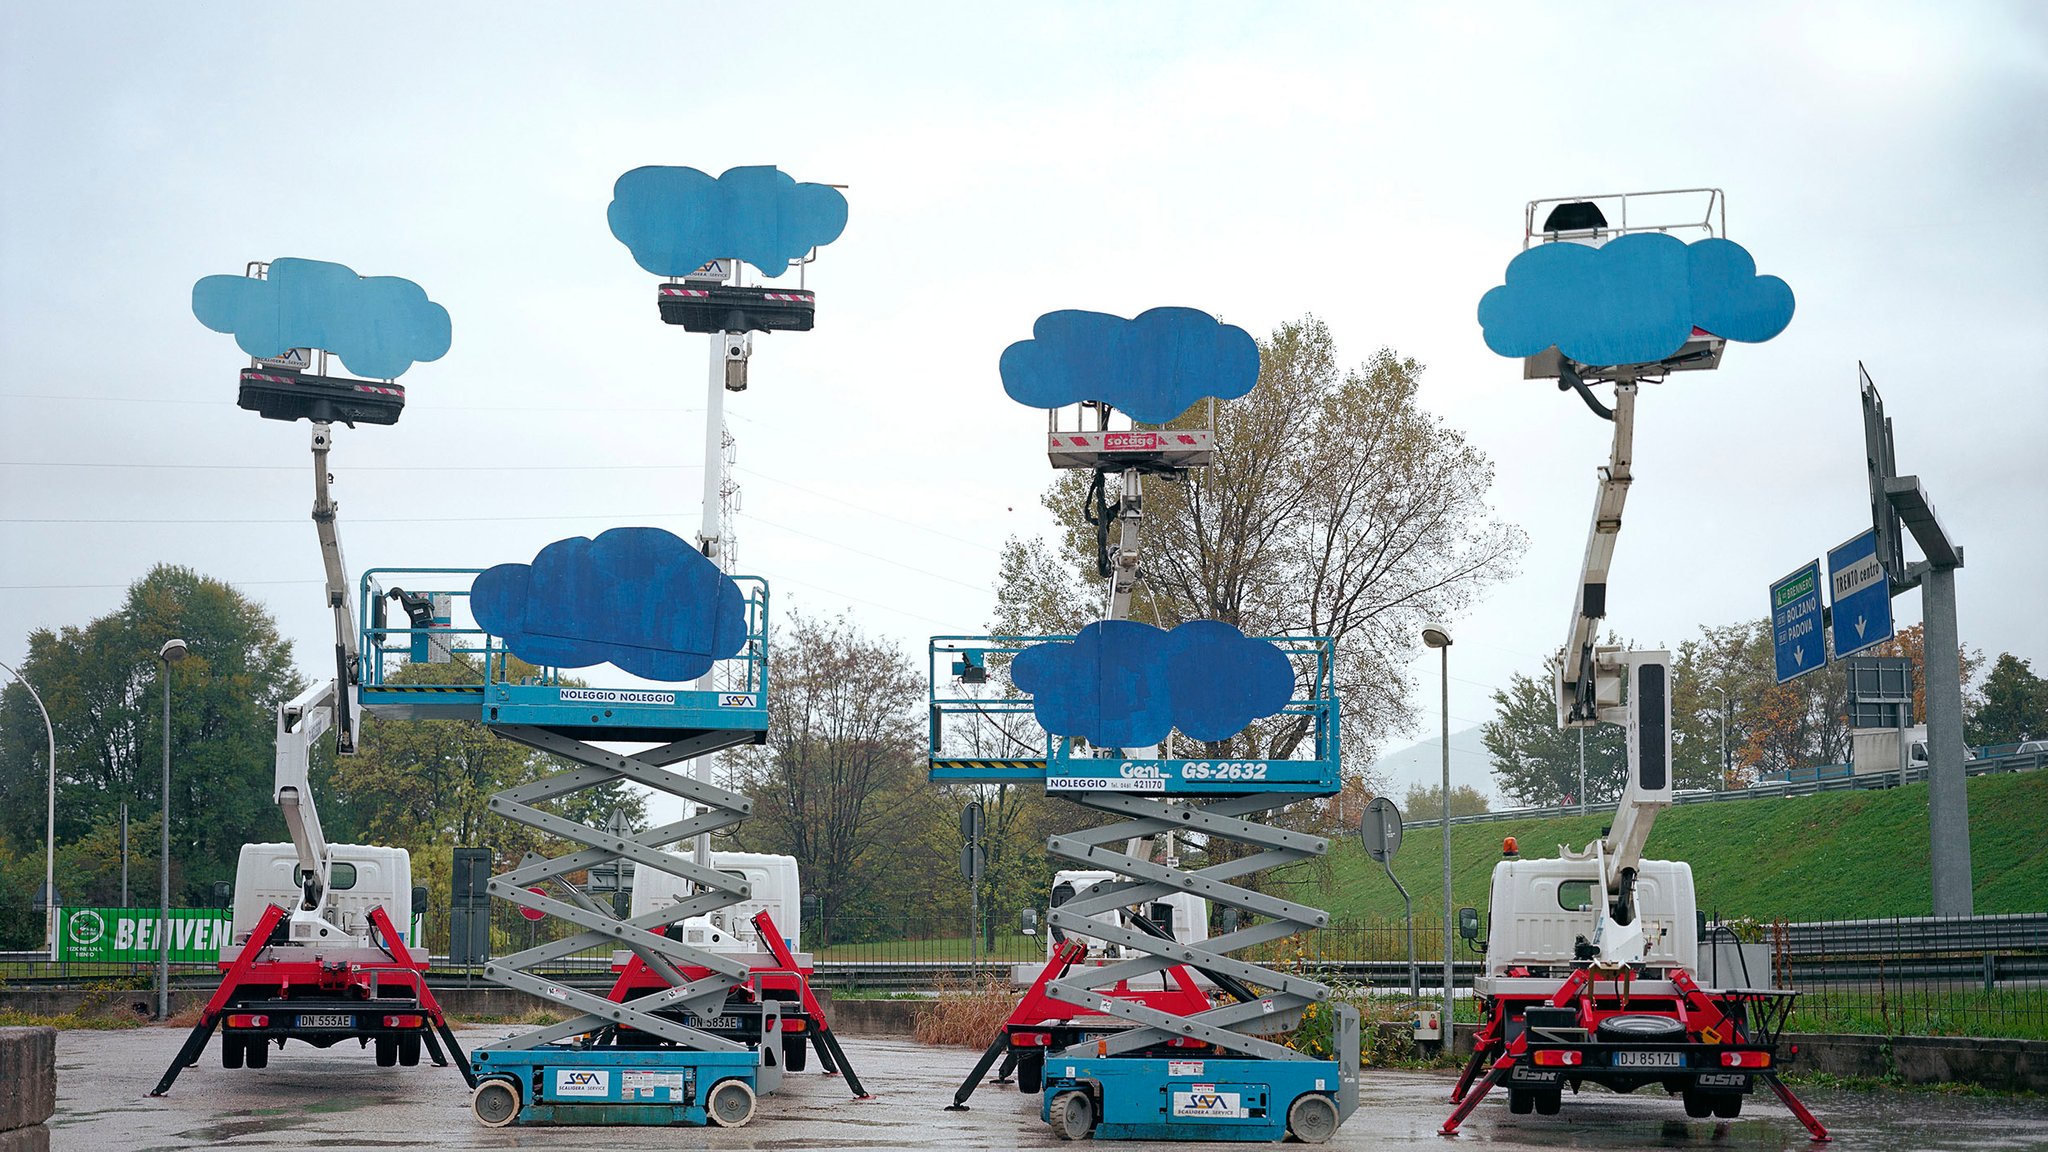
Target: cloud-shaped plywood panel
{"points": [[1635, 300], [674, 220], [637, 598], [1125, 684], [378, 325], [1154, 366]]}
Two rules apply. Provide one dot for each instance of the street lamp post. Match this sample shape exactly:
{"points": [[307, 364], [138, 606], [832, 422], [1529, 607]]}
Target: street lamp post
{"points": [[172, 652], [1439, 637], [50, 830]]}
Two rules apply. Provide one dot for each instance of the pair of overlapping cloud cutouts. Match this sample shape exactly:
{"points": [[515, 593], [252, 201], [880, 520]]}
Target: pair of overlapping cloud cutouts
{"points": [[676, 220], [637, 598], [1635, 300], [379, 326], [1126, 684]]}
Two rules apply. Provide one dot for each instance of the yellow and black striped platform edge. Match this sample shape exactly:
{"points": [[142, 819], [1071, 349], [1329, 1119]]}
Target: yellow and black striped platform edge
{"points": [[993, 765], [412, 689]]}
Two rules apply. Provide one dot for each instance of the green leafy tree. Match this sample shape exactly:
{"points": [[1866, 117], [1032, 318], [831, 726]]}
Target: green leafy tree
{"points": [[103, 685], [2015, 704], [1537, 763], [1427, 803]]}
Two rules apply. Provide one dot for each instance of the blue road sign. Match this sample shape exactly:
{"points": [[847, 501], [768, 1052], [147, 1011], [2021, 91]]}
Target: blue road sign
{"points": [[1795, 624], [1861, 594]]}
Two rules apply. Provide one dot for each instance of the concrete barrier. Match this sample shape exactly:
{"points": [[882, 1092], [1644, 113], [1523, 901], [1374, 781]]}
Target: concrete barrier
{"points": [[2001, 1065], [28, 1087]]}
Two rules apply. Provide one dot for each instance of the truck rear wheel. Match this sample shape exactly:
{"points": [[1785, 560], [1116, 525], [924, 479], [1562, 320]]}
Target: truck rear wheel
{"points": [[231, 1050], [1727, 1106], [257, 1052], [730, 1104], [409, 1050], [1521, 1101], [1031, 1073], [1549, 1101], [495, 1103], [387, 1051], [796, 1052], [1698, 1105]]}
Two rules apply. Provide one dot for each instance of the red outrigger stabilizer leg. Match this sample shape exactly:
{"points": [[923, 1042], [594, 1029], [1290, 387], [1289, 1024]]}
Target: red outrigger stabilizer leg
{"points": [[1813, 1126], [394, 945], [209, 1017], [830, 1054]]}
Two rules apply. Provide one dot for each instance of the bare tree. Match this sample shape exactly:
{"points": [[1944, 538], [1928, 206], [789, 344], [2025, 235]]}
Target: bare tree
{"points": [[1335, 507], [842, 765]]}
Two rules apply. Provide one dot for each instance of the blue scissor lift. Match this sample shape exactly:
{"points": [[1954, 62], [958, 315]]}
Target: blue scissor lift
{"points": [[1217, 1074], [420, 666]]}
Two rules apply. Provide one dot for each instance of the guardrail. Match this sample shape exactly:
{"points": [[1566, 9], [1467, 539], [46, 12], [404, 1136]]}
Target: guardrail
{"points": [[1776, 789]]}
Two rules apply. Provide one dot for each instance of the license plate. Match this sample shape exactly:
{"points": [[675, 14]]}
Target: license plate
{"points": [[326, 1020], [716, 1022], [1627, 1059]]}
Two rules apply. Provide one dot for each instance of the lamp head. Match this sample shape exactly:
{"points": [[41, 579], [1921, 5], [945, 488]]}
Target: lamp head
{"points": [[172, 651], [1436, 635]]}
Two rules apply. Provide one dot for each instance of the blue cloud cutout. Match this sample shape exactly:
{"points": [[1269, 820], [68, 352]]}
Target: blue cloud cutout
{"points": [[1123, 684], [1635, 300], [637, 598], [676, 219], [378, 325], [1154, 366]]}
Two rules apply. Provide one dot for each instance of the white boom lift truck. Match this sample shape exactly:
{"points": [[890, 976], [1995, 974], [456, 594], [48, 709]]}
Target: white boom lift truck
{"points": [[322, 949], [1590, 958]]}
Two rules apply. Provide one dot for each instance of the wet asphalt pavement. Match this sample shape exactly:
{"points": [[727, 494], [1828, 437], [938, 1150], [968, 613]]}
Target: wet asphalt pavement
{"points": [[339, 1098]]}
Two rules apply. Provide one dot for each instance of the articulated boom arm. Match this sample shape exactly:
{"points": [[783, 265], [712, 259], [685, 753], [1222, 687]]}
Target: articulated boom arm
{"points": [[1589, 676], [340, 597], [300, 724]]}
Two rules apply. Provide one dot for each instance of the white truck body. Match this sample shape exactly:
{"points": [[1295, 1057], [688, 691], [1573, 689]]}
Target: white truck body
{"points": [[1541, 908], [365, 876], [1189, 914], [776, 890]]}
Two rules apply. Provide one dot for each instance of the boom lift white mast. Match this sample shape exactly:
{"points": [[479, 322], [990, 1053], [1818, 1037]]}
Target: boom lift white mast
{"points": [[302, 722]]}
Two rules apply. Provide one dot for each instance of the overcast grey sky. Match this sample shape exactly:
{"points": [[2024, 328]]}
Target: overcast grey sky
{"points": [[1365, 163]]}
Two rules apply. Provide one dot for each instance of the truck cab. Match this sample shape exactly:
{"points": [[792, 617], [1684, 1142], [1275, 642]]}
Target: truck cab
{"points": [[363, 876], [1544, 913], [776, 890]]}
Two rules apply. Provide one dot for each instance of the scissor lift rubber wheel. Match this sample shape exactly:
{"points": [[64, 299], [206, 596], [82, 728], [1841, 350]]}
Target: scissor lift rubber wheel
{"points": [[1073, 1115], [1312, 1119], [730, 1104], [495, 1102]]}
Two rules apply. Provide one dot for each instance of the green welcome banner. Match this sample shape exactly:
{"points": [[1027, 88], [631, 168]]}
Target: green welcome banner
{"points": [[130, 934]]}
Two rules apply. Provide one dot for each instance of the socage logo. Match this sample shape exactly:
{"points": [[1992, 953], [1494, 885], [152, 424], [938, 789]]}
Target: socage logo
{"points": [[87, 927]]}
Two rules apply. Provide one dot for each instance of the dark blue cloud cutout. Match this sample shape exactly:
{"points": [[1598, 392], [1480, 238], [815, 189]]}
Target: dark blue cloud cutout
{"points": [[1124, 684], [1153, 367], [1634, 300], [677, 219], [378, 325], [637, 598]]}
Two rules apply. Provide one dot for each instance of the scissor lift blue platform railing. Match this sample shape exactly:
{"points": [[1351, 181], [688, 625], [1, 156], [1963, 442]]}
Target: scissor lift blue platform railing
{"points": [[477, 679], [990, 736]]}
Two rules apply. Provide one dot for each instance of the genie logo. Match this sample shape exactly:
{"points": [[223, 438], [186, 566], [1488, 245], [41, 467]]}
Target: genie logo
{"points": [[1134, 771], [583, 1082]]}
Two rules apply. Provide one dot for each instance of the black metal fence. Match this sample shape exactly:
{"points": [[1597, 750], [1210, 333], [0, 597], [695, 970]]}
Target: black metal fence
{"points": [[1984, 976]]}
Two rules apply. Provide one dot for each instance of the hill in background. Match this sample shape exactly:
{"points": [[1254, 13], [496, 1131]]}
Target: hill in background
{"points": [[1835, 856]]}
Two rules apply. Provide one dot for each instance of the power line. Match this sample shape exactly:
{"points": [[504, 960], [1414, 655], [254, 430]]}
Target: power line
{"points": [[859, 552], [865, 508], [366, 467]]}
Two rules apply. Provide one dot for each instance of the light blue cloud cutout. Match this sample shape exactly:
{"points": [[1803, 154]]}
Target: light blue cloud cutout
{"points": [[637, 598], [1635, 300], [378, 325], [674, 220], [1153, 367]]}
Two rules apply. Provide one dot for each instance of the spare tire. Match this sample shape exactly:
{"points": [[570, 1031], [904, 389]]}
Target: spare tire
{"points": [[1641, 1029]]}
